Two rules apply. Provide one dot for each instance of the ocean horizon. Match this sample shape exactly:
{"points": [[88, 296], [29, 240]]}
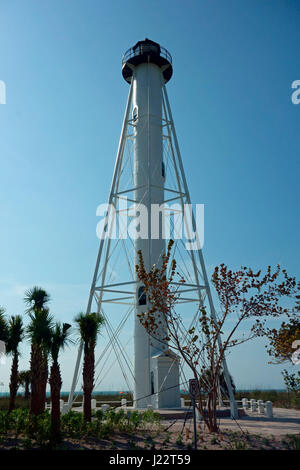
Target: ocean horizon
{"points": [[123, 392]]}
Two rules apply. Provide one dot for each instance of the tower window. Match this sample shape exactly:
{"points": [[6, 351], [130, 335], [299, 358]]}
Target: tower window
{"points": [[142, 296]]}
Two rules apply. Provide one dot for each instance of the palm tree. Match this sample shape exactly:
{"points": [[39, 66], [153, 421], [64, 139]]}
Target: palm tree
{"points": [[39, 332], [15, 337], [89, 326], [59, 339], [24, 379]]}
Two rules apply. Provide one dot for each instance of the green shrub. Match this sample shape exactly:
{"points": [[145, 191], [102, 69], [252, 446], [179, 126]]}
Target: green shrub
{"points": [[37, 429], [239, 445], [135, 418], [179, 440], [72, 424], [99, 414], [294, 442], [280, 399], [295, 402]]}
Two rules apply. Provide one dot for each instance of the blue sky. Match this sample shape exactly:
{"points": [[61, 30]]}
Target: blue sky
{"points": [[238, 130]]}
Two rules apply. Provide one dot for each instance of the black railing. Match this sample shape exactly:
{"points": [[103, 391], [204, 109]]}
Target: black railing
{"points": [[135, 51]]}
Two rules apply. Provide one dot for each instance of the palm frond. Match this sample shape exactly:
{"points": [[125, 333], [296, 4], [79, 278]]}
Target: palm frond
{"points": [[24, 376], [36, 298], [60, 338], [89, 326], [39, 330], [15, 334]]}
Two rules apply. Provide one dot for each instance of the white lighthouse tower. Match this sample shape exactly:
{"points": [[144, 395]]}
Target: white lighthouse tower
{"points": [[148, 171], [146, 67]]}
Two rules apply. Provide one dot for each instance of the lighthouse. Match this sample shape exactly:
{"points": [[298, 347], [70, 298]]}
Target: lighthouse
{"points": [[148, 173], [147, 66]]}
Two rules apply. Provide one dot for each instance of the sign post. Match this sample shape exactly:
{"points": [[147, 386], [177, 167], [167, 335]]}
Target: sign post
{"points": [[193, 391]]}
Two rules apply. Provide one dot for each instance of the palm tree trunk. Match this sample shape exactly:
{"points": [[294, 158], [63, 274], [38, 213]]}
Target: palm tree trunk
{"points": [[43, 382], [35, 368], [55, 387], [13, 385], [26, 389], [88, 382]]}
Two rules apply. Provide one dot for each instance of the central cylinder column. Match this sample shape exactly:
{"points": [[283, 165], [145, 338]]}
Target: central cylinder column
{"points": [[149, 184]]}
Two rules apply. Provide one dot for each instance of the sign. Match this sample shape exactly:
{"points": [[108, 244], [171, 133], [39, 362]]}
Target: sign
{"points": [[193, 388]]}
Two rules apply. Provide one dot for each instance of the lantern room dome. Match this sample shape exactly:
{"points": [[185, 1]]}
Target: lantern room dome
{"points": [[147, 51]]}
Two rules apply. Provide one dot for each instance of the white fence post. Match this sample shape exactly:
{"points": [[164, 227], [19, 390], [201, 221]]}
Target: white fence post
{"points": [[61, 404], [93, 403], [104, 408], [65, 408], [245, 403], [269, 409], [253, 404], [123, 403], [261, 407]]}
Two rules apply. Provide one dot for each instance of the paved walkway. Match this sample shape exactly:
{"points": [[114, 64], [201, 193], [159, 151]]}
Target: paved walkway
{"points": [[285, 421]]}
